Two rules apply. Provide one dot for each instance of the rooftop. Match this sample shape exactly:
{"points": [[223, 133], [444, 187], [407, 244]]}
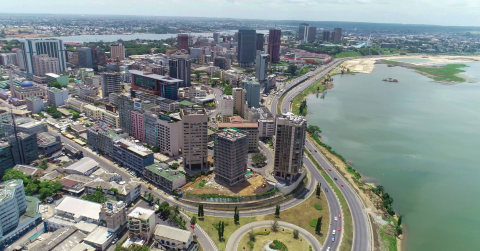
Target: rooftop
{"points": [[123, 189], [99, 236], [152, 76], [231, 134], [26, 169], [141, 213], [79, 207], [53, 75], [194, 111], [33, 98], [46, 139], [164, 171], [7, 188], [54, 89], [83, 165], [133, 147], [60, 240], [237, 125], [173, 233]]}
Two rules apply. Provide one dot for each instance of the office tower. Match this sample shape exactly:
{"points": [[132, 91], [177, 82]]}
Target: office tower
{"points": [[110, 83], [20, 57], [246, 47], [117, 50], [338, 35], [13, 204], [180, 68], [182, 42], [235, 37], [252, 88], [303, 33], [274, 42], [44, 64], [260, 40], [165, 87], [221, 62], [312, 32], [51, 47], [85, 59], [230, 155], [332, 36], [326, 36], [125, 107], [100, 56], [216, 37], [261, 66], [195, 138], [239, 100], [289, 143]]}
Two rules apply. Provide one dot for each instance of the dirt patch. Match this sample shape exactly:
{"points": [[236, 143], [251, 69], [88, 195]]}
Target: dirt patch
{"points": [[251, 186]]}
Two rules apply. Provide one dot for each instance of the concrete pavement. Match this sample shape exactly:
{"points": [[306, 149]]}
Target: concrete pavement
{"points": [[235, 238]]}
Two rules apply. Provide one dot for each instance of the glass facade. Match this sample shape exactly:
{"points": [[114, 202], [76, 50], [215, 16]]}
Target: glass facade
{"points": [[145, 83]]}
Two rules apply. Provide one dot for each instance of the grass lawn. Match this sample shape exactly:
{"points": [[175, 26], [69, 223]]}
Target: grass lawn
{"points": [[300, 97], [390, 62], [299, 215], [198, 184], [347, 239], [444, 73], [286, 237], [347, 54]]}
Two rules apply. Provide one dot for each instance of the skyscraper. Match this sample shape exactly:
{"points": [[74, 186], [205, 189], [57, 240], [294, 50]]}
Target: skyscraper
{"points": [[274, 45], [43, 64], [303, 32], [230, 155], [110, 83], [85, 59], [338, 35], [326, 36], [180, 68], [252, 88], [261, 66], [182, 42], [117, 50], [312, 32], [239, 101], [195, 139], [289, 143], [51, 47], [260, 40], [246, 47], [216, 37]]}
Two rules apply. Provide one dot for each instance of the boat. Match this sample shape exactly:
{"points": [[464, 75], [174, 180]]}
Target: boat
{"points": [[390, 65], [390, 80]]}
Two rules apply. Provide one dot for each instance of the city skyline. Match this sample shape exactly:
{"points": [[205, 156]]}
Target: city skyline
{"points": [[446, 12]]}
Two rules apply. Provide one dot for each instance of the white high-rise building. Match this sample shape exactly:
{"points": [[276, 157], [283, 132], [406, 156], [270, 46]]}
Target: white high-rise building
{"points": [[261, 66], [12, 204], [228, 103], [52, 47]]}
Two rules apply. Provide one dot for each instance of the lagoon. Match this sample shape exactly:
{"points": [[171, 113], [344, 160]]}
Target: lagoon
{"points": [[418, 138]]}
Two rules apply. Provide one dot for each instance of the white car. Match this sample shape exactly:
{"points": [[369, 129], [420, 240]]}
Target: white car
{"points": [[333, 232], [335, 218], [328, 249]]}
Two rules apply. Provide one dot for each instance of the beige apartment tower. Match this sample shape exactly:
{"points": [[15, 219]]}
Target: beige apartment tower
{"points": [[289, 142], [117, 50], [239, 101], [43, 64], [195, 138]]}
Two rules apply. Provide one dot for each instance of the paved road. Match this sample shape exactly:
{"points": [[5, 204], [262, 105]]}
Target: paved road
{"points": [[232, 244], [362, 228]]}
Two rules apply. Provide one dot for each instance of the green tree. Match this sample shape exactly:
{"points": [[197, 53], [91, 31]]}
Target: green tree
{"points": [[251, 235], [295, 233], [317, 191], [259, 158], [31, 188], [275, 226], [193, 220], [313, 129], [277, 211], [318, 227], [292, 69], [175, 165], [303, 108], [45, 192], [56, 85]]}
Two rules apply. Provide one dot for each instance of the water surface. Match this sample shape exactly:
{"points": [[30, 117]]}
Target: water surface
{"points": [[418, 138]]}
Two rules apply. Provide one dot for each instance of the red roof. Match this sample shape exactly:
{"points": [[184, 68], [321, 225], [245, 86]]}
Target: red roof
{"points": [[68, 183]]}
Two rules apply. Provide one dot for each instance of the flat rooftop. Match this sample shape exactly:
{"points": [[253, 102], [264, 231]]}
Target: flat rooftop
{"points": [[141, 213], [237, 125], [194, 111], [164, 171], [173, 233], [7, 188], [83, 165], [79, 207]]}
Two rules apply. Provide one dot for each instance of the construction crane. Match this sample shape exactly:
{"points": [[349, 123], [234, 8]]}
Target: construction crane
{"points": [[118, 64]]}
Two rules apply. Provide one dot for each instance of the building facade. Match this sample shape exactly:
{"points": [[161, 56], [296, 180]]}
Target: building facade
{"points": [[132, 155], [261, 66], [195, 140], [162, 86], [239, 101], [56, 97], [52, 47], [230, 155], [252, 88], [34, 104], [110, 83], [12, 205], [161, 175], [274, 42], [182, 42], [117, 50], [180, 68], [246, 47]]}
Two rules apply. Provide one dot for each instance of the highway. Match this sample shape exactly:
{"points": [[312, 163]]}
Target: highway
{"points": [[361, 223]]}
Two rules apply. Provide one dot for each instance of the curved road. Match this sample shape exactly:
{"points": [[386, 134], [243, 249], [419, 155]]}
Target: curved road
{"points": [[362, 229], [235, 238]]}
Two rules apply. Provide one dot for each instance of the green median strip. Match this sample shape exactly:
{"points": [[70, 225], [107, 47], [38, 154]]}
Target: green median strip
{"points": [[347, 239]]}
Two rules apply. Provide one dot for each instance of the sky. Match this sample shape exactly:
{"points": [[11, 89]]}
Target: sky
{"points": [[437, 12]]}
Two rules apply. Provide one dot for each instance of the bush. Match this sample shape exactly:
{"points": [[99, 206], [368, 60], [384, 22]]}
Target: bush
{"points": [[318, 207], [202, 183], [295, 233], [263, 233], [250, 245], [278, 245], [313, 223]]}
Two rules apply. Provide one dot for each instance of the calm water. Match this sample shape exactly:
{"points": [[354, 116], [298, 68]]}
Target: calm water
{"points": [[418, 138], [412, 60], [113, 38]]}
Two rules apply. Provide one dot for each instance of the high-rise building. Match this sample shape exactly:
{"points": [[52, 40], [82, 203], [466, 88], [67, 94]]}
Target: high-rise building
{"points": [[164, 132], [216, 37], [125, 107], [332, 36], [44, 64], [274, 42], [325, 36], [56, 96], [261, 66], [110, 83], [289, 143], [180, 68], [20, 59], [51, 47], [260, 41], [195, 138], [338, 35], [230, 155], [246, 47], [13, 204], [252, 88], [85, 57], [239, 101], [117, 50], [165, 87], [220, 62], [182, 42], [303, 32], [312, 33]]}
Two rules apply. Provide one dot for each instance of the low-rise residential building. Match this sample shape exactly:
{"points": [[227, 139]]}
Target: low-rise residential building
{"points": [[172, 237], [34, 104], [56, 97], [74, 184], [48, 143], [141, 224], [85, 166], [101, 138], [100, 238], [114, 215], [161, 175], [29, 170], [131, 155], [167, 105], [76, 105], [127, 192]]}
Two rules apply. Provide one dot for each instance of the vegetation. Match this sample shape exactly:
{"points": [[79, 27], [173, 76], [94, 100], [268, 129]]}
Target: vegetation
{"points": [[175, 166], [75, 115], [251, 235], [33, 186], [444, 73], [318, 207], [52, 110], [41, 115], [318, 225], [259, 158], [251, 245], [302, 110], [277, 211], [275, 226], [97, 196], [275, 190], [318, 190], [200, 211], [278, 245], [236, 215], [56, 85], [295, 233]]}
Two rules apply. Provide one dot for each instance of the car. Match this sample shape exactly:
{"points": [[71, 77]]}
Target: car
{"points": [[326, 190], [335, 178], [339, 216], [328, 249], [316, 151], [335, 218], [333, 232], [192, 226], [333, 239], [329, 169], [339, 228], [114, 241], [306, 140], [342, 185]]}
